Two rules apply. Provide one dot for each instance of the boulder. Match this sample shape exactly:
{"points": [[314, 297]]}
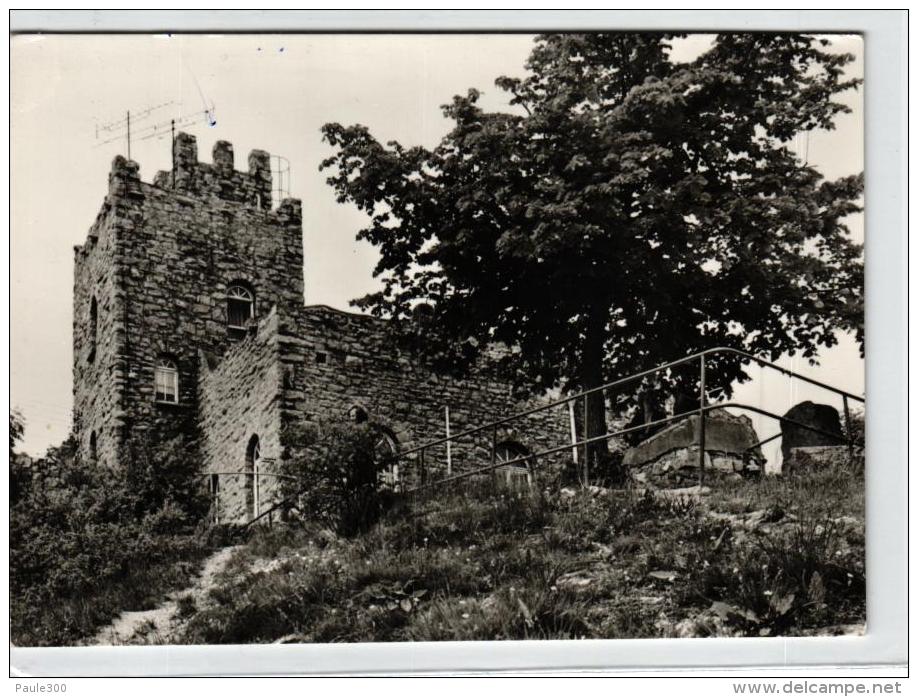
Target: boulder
{"points": [[820, 416], [670, 457]]}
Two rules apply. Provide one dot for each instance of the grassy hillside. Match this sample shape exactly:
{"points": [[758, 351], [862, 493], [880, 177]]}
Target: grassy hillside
{"points": [[775, 557]]}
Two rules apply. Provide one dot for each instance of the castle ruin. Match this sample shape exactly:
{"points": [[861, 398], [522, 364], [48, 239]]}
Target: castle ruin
{"points": [[189, 319]]}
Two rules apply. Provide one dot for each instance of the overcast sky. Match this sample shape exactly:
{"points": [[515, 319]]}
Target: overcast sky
{"points": [[272, 92]]}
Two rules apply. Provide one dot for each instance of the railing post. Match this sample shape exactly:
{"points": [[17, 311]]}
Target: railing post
{"points": [[586, 439], [701, 424], [493, 446], [848, 437]]}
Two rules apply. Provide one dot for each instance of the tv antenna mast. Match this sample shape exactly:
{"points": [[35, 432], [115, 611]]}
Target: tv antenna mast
{"points": [[152, 122]]}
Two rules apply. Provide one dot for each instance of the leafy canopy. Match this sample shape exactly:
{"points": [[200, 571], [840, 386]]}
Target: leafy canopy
{"points": [[628, 210]]}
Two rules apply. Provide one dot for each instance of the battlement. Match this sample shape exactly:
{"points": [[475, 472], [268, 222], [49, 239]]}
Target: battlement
{"points": [[219, 179]]}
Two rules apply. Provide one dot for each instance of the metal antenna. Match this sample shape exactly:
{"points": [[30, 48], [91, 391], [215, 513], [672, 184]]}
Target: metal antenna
{"points": [[144, 125]]}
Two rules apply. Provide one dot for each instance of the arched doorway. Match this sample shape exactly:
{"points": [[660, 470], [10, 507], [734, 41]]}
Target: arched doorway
{"points": [[385, 452], [252, 465], [517, 474]]}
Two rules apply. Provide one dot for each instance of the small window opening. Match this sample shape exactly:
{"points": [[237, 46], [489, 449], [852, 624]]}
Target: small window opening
{"points": [[215, 498], [93, 328], [321, 358], [167, 381], [357, 414], [93, 447], [240, 307]]}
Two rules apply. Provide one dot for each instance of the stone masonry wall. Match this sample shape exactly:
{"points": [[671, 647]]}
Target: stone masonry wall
{"points": [[334, 361], [98, 370], [239, 398], [172, 250]]}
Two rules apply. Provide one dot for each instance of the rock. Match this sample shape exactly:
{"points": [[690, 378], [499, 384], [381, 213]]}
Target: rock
{"points": [[669, 458], [820, 416], [690, 492], [668, 576], [574, 580], [626, 543], [818, 457], [770, 515], [568, 493]]}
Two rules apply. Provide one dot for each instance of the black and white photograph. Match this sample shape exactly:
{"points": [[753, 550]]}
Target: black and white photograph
{"points": [[436, 337]]}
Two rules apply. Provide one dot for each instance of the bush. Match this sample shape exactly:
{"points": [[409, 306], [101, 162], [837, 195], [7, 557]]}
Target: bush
{"points": [[87, 542], [336, 470]]}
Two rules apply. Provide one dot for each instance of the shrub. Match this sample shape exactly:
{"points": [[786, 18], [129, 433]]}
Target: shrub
{"points": [[336, 471], [87, 542]]}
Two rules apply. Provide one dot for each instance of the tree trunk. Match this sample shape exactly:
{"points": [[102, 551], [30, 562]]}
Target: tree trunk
{"points": [[592, 376]]}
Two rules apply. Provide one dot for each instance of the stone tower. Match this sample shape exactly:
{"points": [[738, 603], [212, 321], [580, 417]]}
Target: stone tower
{"points": [[171, 272]]}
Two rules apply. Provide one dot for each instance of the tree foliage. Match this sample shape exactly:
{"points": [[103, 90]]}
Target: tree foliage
{"points": [[628, 210], [333, 472]]}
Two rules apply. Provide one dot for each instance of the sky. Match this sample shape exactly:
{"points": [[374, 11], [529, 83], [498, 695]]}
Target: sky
{"points": [[272, 92]]}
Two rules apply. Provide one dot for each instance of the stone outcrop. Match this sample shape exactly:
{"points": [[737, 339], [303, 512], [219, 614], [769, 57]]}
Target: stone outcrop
{"points": [[819, 416], [669, 458], [823, 457]]}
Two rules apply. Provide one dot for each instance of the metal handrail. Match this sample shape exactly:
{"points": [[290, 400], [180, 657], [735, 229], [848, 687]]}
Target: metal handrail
{"points": [[622, 432], [623, 381], [701, 412]]}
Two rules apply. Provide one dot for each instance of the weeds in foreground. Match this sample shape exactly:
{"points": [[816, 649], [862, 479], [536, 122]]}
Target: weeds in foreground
{"points": [[513, 566]]}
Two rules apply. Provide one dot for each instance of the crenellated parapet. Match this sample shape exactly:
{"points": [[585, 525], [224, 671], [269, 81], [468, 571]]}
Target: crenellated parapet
{"points": [[219, 178]]}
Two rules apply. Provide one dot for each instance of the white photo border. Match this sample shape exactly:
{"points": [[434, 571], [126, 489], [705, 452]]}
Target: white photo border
{"points": [[886, 134]]}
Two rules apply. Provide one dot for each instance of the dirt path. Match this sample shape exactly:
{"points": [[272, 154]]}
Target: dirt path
{"points": [[159, 625]]}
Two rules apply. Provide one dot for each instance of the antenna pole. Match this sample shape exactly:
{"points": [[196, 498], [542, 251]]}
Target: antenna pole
{"points": [[129, 133]]}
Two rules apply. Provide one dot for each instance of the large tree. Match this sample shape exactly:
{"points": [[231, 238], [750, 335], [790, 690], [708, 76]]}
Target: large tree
{"points": [[632, 209]]}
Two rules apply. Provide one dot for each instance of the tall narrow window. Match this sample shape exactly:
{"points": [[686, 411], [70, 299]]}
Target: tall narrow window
{"points": [[252, 488], [93, 447], [240, 307], [93, 329], [167, 382]]}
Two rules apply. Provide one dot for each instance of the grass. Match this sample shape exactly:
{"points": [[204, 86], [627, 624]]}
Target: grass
{"points": [[481, 565], [68, 620]]}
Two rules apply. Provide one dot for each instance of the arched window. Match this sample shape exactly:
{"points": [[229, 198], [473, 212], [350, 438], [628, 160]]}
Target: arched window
{"points": [[385, 451], [167, 381], [93, 447], [240, 307], [252, 463], [357, 414], [517, 473], [93, 328]]}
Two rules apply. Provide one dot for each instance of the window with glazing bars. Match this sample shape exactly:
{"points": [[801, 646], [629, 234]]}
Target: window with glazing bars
{"points": [[167, 382]]}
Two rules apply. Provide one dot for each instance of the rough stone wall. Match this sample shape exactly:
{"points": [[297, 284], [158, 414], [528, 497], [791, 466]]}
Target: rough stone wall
{"points": [[176, 246], [98, 370], [239, 397], [334, 361]]}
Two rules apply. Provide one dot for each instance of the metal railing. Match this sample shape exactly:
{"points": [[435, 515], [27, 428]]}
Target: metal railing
{"points": [[258, 514], [493, 427], [585, 442]]}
